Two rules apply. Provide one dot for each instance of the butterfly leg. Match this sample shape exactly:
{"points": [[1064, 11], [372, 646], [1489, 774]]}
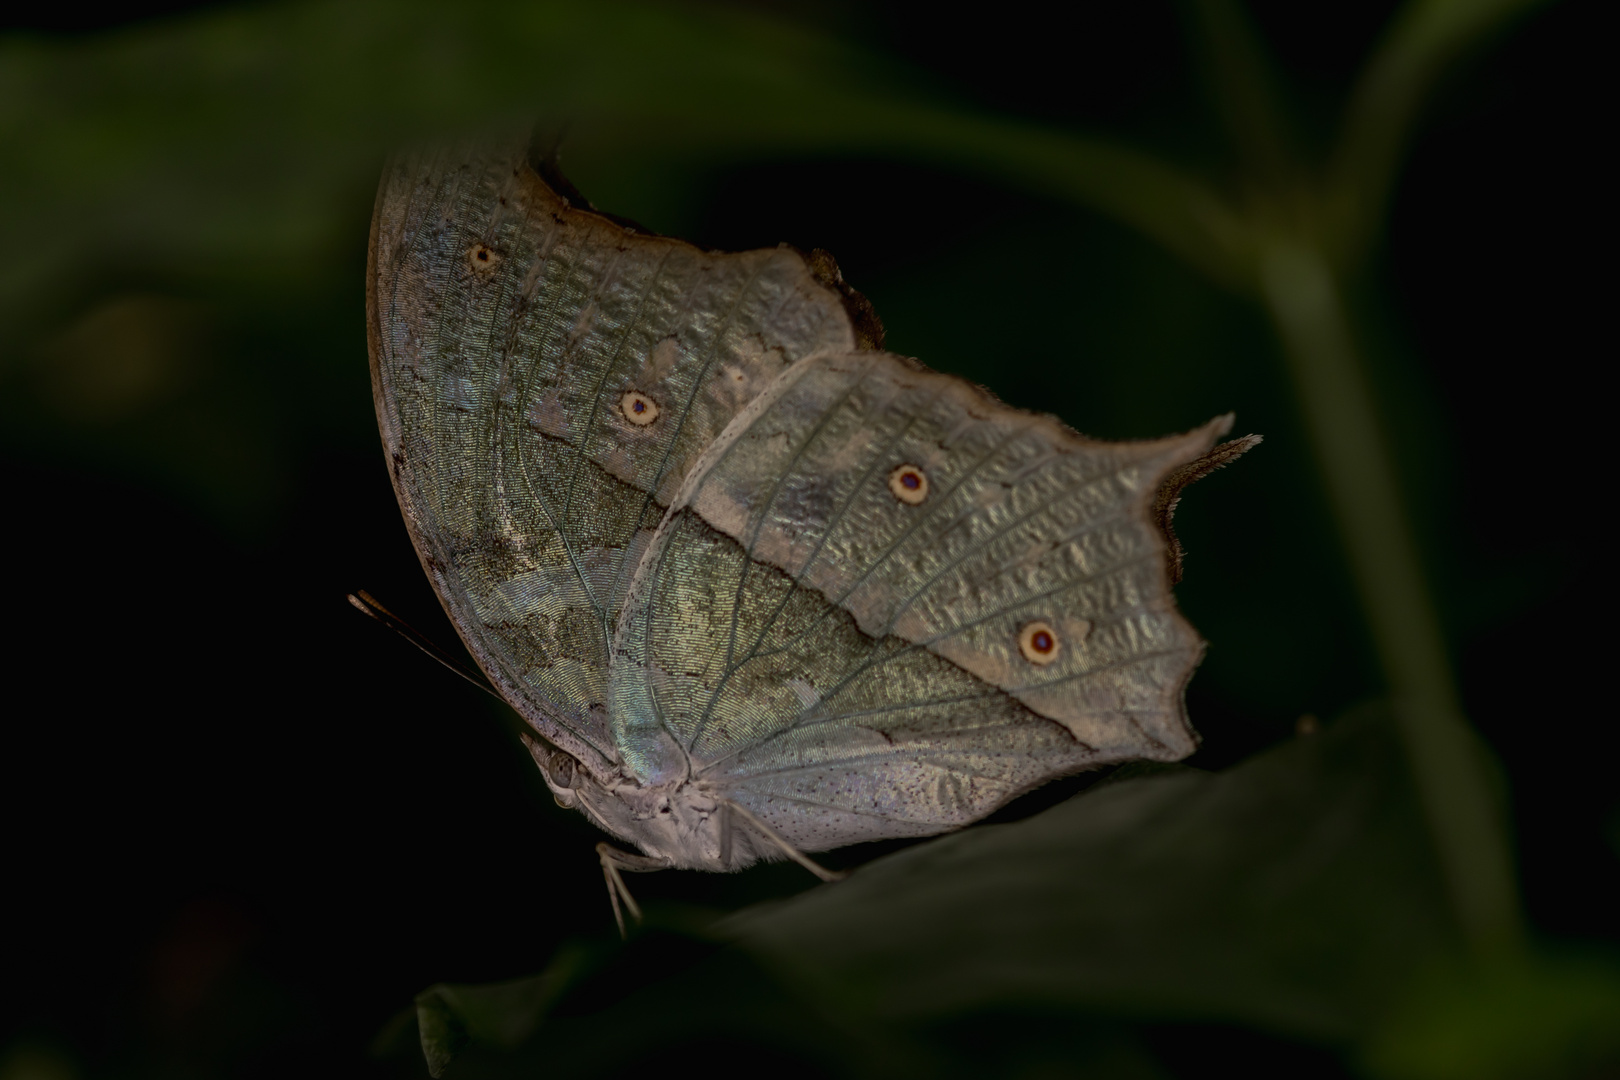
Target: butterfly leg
{"points": [[771, 834], [613, 861]]}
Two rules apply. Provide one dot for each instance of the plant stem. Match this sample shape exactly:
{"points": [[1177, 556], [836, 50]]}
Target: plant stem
{"points": [[1450, 770]]}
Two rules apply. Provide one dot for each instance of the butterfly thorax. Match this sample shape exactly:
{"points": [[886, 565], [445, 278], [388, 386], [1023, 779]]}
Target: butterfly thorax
{"points": [[681, 820]]}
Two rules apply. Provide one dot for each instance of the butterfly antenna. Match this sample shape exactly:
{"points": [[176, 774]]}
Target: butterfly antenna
{"points": [[787, 849], [365, 602]]}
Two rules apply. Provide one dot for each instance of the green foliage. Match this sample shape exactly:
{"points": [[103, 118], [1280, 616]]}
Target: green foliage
{"points": [[1538, 1016], [1294, 894]]}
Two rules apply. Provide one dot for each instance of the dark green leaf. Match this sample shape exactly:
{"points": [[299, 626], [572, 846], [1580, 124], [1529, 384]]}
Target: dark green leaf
{"points": [[1292, 894]]}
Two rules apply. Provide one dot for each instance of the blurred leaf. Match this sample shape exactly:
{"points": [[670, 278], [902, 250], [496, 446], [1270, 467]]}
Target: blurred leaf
{"points": [[498, 1014], [1243, 87], [1293, 894], [1426, 37], [1531, 1017], [235, 142], [124, 357], [220, 166], [29, 1061], [663, 998]]}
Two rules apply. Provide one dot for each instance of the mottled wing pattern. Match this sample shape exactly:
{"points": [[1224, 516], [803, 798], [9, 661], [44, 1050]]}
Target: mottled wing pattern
{"points": [[837, 623], [544, 380]]}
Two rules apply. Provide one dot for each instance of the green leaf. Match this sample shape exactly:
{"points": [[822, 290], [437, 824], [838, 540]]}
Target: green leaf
{"points": [[1527, 1017], [500, 1015], [1293, 894]]}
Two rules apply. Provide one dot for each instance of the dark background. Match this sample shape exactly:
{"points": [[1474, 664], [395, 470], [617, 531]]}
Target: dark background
{"points": [[246, 825]]}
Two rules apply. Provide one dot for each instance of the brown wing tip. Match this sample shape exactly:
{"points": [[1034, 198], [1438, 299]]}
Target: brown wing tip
{"points": [[1171, 487], [869, 333]]}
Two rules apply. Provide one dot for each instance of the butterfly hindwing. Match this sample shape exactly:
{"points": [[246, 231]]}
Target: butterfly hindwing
{"points": [[884, 604]]}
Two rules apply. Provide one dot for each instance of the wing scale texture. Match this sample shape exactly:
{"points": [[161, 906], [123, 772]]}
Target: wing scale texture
{"points": [[511, 336], [703, 537]]}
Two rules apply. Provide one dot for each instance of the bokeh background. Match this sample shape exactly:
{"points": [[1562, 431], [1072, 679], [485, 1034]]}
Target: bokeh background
{"points": [[245, 825]]}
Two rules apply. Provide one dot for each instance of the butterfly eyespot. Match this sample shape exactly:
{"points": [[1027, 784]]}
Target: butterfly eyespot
{"points": [[909, 484], [638, 408], [482, 258], [1039, 643]]}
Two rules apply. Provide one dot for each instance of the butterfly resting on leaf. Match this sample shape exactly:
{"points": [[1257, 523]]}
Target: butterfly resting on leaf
{"points": [[756, 586]]}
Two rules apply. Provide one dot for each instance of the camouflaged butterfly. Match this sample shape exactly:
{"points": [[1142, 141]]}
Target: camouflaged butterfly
{"points": [[758, 587]]}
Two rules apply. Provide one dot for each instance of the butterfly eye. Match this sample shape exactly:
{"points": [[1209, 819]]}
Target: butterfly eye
{"points": [[909, 484], [482, 258], [1039, 643], [562, 770], [638, 408]]}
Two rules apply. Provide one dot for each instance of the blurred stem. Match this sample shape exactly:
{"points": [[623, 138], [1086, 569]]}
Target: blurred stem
{"points": [[1424, 39], [1238, 74], [1179, 211], [1304, 300], [1301, 233]]}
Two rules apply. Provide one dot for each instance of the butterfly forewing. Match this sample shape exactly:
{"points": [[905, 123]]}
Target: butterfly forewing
{"points": [[545, 379]]}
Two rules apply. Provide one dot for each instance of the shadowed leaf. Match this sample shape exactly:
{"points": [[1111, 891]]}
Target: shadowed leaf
{"points": [[1292, 894]]}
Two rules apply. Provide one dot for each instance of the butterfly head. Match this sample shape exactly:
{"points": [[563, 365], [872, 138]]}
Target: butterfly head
{"points": [[563, 773]]}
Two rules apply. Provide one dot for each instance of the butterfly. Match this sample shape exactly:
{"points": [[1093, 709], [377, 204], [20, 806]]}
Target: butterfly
{"points": [[757, 587]]}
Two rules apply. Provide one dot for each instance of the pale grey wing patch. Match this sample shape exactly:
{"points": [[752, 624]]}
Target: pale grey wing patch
{"points": [[794, 600], [1026, 523], [507, 328], [826, 428]]}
